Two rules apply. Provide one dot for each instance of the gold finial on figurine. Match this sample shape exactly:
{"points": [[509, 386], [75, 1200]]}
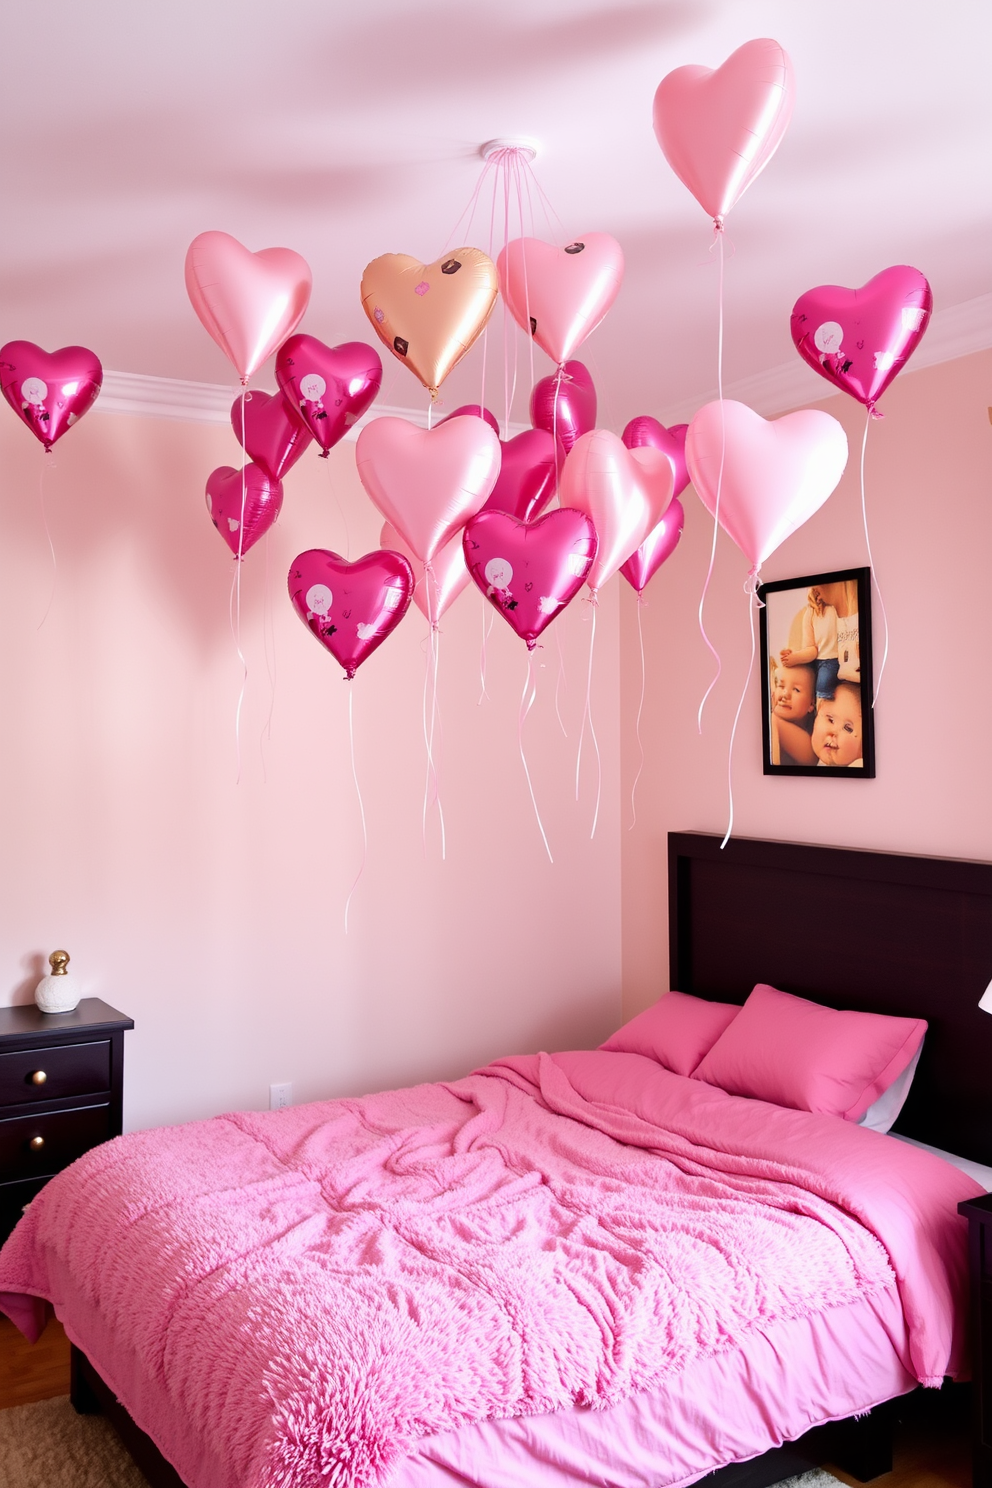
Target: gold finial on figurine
{"points": [[59, 962]]}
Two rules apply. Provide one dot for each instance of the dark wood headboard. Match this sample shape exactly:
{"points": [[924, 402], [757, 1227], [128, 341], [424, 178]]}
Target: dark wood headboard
{"points": [[872, 931]]}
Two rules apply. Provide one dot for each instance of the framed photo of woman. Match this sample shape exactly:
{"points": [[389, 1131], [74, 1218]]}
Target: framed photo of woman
{"points": [[816, 676]]}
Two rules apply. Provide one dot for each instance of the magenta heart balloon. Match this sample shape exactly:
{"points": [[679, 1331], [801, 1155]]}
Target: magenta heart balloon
{"points": [[526, 480], [350, 607], [242, 504], [559, 295], [49, 390], [331, 386], [530, 570], [860, 339], [657, 547], [433, 592], [269, 432], [646, 431], [478, 411], [248, 302], [565, 406]]}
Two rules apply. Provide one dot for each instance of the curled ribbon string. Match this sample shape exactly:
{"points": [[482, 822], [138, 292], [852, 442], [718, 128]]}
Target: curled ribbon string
{"points": [[751, 589], [869, 415], [718, 231], [640, 710], [236, 593], [560, 681], [488, 617], [361, 807], [269, 648], [432, 795], [587, 718], [526, 703], [48, 463]]}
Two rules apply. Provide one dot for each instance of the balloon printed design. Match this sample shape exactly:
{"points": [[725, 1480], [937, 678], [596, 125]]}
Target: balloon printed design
{"points": [[625, 493], [776, 473], [330, 386], [428, 482], [560, 295], [49, 390], [527, 475], [248, 302], [860, 339], [529, 571], [429, 314], [242, 505], [435, 590], [656, 549], [269, 431], [350, 607], [645, 430], [565, 405]]}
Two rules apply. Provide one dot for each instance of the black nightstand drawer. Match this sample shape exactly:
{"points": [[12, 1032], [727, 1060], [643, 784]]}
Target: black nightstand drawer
{"points": [[38, 1146], [69, 1069]]}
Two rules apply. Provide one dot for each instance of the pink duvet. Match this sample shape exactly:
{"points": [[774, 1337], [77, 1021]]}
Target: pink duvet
{"points": [[301, 1298]]}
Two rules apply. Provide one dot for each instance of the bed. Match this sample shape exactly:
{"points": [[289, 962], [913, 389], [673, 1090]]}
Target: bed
{"points": [[244, 1386]]}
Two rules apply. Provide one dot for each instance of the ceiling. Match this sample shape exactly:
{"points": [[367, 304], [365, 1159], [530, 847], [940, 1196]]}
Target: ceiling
{"points": [[345, 132]]}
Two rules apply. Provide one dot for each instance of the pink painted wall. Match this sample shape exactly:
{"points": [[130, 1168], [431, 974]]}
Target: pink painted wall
{"points": [[212, 911], [929, 498]]}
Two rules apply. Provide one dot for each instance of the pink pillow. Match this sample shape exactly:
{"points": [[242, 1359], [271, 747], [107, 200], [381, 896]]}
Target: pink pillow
{"points": [[796, 1053], [677, 1031]]}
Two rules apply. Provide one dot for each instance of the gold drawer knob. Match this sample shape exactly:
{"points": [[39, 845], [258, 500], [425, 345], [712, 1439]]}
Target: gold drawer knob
{"points": [[38, 1077], [36, 1144]]}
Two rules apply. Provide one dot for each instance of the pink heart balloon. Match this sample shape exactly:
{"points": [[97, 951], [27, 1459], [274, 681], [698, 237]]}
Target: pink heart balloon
{"points": [[645, 430], [269, 432], [330, 386], [530, 570], [249, 302], [860, 339], [657, 547], [559, 295], [350, 607], [719, 128], [478, 411], [49, 390], [775, 474], [428, 482], [526, 480], [625, 492], [433, 591], [242, 505], [565, 406]]}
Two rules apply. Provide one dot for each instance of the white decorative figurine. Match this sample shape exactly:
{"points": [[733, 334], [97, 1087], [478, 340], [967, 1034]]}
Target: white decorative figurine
{"points": [[56, 993]]}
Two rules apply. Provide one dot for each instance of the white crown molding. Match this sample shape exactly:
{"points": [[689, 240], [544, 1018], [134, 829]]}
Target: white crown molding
{"points": [[955, 332]]}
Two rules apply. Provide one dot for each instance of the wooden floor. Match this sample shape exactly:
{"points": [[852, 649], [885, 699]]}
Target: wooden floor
{"points": [[932, 1449]]}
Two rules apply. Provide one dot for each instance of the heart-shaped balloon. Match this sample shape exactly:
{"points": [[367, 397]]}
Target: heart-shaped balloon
{"points": [[645, 430], [776, 473], [527, 475], [429, 314], [719, 128], [530, 570], [331, 386], [478, 411], [242, 504], [269, 431], [559, 295], [860, 339], [350, 607], [49, 390], [249, 302], [428, 482], [435, 588], [564, 404], [657, 547], [625, 492]]}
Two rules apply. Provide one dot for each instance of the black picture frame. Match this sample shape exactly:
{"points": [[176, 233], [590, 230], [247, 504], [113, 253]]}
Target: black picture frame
{"points": [[788, 615]]}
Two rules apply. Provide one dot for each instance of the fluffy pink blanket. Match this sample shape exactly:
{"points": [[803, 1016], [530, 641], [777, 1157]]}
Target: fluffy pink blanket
{"points": [[294, 1299]]}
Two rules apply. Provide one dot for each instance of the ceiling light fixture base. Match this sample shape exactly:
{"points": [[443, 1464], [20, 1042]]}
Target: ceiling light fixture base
{"points": [[528, 148]]}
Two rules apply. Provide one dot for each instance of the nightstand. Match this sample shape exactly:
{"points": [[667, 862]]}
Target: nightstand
{"points": [[61, 1092], [979, 1215]]}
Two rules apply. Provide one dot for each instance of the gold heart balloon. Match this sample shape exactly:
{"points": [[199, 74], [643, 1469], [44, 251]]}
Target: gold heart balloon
{"points": [[430, 314]]}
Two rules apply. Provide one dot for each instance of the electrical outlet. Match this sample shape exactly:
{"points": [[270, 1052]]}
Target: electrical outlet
{"points": [[280, 1096]]}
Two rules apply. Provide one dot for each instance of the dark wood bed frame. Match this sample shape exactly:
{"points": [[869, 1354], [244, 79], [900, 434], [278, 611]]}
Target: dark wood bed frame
{"points": [[875, 932]]}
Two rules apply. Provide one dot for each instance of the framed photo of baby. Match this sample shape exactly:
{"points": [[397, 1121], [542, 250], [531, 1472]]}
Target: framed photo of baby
{"points": [[816, 676]]}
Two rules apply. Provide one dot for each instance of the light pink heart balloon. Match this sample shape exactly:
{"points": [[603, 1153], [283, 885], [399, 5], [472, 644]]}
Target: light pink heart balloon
{"points": [[428, 482], [656, 549], [242, 505], [559, 295], [249, 302], [625, 492], [775, 474], [433, 592], [719, 128]]}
